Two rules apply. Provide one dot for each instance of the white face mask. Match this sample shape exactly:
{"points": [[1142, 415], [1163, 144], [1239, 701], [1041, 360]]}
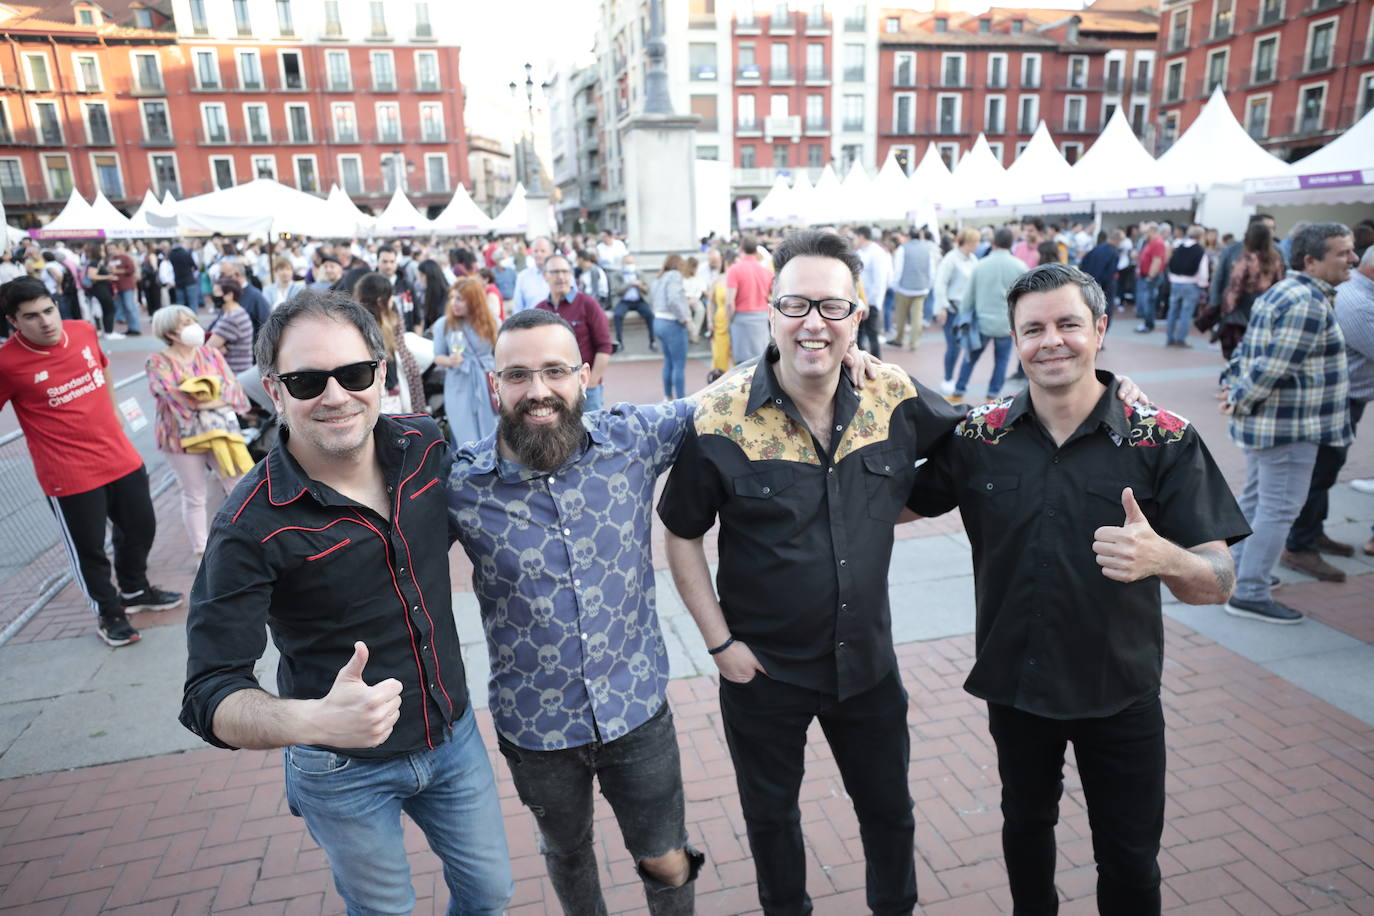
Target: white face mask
{"points": [[193, 335], [507, 263]]}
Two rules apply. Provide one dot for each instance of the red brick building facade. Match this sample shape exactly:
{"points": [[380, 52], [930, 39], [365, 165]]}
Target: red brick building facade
{"points": [[1296, 72]]}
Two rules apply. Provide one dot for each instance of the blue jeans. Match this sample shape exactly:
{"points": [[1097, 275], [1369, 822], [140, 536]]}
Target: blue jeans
{"points": [[352, 807], [126, 308], [189, 295], [1276, 483], [596, 397], [1001, 353], [1146, 290], [952, 346], [1182, 306], [641, 776], [673, 336], [887, 312]]}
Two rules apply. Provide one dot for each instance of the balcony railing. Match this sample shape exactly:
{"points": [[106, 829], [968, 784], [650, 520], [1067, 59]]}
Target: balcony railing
{"points": [[1178, 39], [1080, 126], [781, 25], [953, 81], [1256, 130], [427, 86], [339, 85], [764, 177], [14, 194], [817, 25], [1115, 83], [384, 85], [704, 72], [748, 126], [995, 127], [432, 135], [853, 74], [1081, 84], [346, 136], [921, 127], [781, 74], [389, 135], [782, 125], [818, 124], [903, 80], [1030, 82], [1026, 125], [817, 75], [852, 125], [1265, 17], [208, 86], [222, 137], [159, 140], [855, 23], [1221, 28], [145, 86], [997, 82], [1316, 63], [102, 136], [749, 72]]}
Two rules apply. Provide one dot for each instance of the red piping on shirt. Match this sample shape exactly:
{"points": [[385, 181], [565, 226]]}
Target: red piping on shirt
{"points": [[267, 462], [424, 488], [419, 667], [249, 499], [303, 528], [344, 543]]}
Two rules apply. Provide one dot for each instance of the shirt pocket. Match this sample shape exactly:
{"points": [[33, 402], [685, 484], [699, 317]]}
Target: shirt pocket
{"points": [[888, 475], [998, 496], [764, 485], [1103, 507]]}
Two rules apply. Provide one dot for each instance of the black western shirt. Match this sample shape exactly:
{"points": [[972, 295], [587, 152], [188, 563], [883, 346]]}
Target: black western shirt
{"points": [[1055, 637], [321, 571], [805, 533]]}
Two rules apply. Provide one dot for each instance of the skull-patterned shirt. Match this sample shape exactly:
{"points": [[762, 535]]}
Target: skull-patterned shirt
{"points": [[563, 572]]}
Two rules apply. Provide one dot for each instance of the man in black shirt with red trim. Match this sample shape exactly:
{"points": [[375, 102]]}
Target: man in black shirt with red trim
{"points": [[338, 543], [1077, 507]]}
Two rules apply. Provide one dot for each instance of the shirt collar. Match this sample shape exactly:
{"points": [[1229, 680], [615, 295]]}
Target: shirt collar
{"points": [[1326, 289], [765, 389], [287, 480], [1108, 412], [484, 457]]}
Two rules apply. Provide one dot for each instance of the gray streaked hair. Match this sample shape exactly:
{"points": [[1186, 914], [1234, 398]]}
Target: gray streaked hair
{"points": [[1049, 277], [166, 319], [1311, 241]]}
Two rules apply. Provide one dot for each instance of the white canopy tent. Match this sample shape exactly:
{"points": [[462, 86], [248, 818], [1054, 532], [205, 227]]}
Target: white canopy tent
{"points": [[461, 216], [108, 219], [928, 181], [261, 205], [14, 235], [1116, 174], [800, 202], [345, 214], [401, 218], [827, 204], [1342, 172], [978, 184], [856, 196], [1040, 179], [774, 209], [888, 195], [153, 219], [74, 222], [514, 217]]}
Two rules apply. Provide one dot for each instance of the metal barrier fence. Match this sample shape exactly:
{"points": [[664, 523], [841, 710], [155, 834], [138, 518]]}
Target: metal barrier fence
{"points": [[34, 564]]}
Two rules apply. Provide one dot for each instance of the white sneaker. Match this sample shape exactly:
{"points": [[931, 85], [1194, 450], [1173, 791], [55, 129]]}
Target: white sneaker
{"points": [[114, 335], [1363, 484], [947, 387]]}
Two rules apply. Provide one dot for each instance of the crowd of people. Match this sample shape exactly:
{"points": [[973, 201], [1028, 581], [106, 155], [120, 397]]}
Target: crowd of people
{"points": [[550, 492]]}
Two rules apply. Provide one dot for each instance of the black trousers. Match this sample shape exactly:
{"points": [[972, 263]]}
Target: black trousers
{"points": [[125, 503], [1121, 764], [623, 308], [871, 333], [1308, 526], [765, 727]]}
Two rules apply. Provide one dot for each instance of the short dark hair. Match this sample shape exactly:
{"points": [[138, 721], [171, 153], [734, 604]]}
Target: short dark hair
{"points": [[1038, 223], [18, 291], [1003, 238], [816, 243], [384, 248], [864, 232], [312, 303], [748, 245], [1311, 242], [526, 319], [1049, 277]]}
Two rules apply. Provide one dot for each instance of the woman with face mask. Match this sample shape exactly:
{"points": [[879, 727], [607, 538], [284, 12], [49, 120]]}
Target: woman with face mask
{"points": [[181, 414]]}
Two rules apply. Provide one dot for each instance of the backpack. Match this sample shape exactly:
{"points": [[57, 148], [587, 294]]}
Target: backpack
{"points": [[68, 283], [1186, 260]]}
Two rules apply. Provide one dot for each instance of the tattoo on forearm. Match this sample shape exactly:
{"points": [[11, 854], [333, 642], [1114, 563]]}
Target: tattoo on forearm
{"points": [[1222, 568]]}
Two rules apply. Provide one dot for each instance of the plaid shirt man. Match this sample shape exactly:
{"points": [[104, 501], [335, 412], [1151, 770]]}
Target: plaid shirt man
{"points": [[1288, 380]]}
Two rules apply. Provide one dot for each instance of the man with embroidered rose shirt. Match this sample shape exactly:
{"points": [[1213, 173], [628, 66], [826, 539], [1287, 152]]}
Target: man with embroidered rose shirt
{"points": [[53, 371], [1077, 507]]}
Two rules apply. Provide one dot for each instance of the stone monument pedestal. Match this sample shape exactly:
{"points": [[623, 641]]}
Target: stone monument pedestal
{"points": [[659, 151], [537, 216]]}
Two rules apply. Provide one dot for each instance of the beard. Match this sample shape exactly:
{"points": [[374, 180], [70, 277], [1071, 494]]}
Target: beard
{"points": [[543, 448]]}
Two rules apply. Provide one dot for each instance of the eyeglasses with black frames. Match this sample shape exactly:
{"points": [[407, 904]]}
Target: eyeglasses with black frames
{"points": [[800, 307]]}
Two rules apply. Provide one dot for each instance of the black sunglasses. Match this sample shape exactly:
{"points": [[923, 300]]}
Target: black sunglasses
{"points": [[311, 383]]}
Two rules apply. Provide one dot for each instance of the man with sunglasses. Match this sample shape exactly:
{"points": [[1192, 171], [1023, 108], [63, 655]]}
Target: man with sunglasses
{"points": [[807, 479], [337, 543]]}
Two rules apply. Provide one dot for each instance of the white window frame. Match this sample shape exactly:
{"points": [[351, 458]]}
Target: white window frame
{"points": [[1364, 87], [253, 164], [334, 124], [1006, 73], [247, 121], [43, 167], [28, 72], [1187, 29], [1326, 102], [86, 119], [233, 172], [239, 56], [1212, 23], [1020, 105], [997, 150], [152, 169], [1145, 115], [958, 112], [911, 162], [1268, 99], [987, 116], [119, 168], [1064, 150], [281, 68], [19, 166], [1182, 64], [1138, 87], [1335, 22], [960, 56], [135, 73], [897, 59], [1021, 146], [330, 55], [1039, 71], [38, 123], [752, 106], [438, 77], [443, 124], [383, 53], [952, 148], [213, 54], [377, 120], [143, 118], [205, 121], [443, 157], [1087, 71], [362, 176], [296, 170], [309, 126], [1276, 38], [1103, 117], [1225, 54], [80, 80], [1120, 56], [1082, 101], [897, 97], [9, 121]]}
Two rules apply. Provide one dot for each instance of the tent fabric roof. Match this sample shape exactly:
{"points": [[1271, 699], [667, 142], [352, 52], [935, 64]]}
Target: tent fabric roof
{"points": [[767, 212], [979, 181], [461, 216], [1342, 172], [1040, 174], [1117, 168], [261, 205], [1215, 149], [514, 217], [826, 200], [75, 221], [401, 218]]}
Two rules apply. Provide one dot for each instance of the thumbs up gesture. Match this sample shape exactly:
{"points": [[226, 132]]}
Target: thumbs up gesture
{"points": [[354, 714], [1132, 551]]}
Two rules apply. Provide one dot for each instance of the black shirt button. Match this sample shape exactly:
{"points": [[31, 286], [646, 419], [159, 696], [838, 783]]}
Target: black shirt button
{"points": [[840, 646], [1054, 460], [767, 490], [844, 607], [402, 570], [415, 607], [842, 562], [989, 485], [1030, 661], [1050, 513]]}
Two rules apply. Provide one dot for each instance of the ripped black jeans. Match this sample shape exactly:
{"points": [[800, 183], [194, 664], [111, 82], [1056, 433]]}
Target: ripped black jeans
{"points": [[641, 776]]}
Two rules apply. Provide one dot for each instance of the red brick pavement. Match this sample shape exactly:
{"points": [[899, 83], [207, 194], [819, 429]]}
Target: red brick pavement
{"points": [[1271, 810]]}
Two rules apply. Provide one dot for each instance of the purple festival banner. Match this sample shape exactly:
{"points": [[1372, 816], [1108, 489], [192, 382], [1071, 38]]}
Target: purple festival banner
{"points": [[1330, 179], [1155, 191], [1054, 198]]}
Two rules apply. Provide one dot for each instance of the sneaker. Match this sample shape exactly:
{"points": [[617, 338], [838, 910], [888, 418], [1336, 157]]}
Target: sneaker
{"points": [[947, 387], [116, 630], [617, 346], [134, 334], [1363, 484], [1141, 329], [114, 335], [1335, 548], [1311, 563], [150, 599], [1269, 611]]}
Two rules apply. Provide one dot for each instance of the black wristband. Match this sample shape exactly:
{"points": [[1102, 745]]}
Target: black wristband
{"points": [[722, 647]]}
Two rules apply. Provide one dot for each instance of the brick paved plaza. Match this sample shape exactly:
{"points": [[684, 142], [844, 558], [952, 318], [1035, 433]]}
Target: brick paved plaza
{"points": [[110, 807]]}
